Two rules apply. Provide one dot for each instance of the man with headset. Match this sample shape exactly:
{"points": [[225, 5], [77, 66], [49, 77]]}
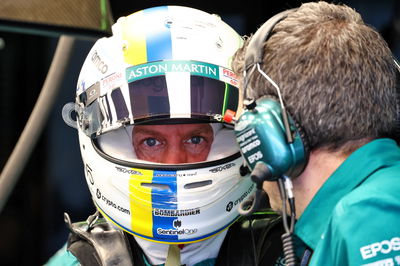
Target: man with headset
{"points": [[321, 118]]}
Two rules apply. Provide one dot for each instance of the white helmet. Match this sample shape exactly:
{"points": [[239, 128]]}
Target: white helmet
{"points": [[167, 64]]}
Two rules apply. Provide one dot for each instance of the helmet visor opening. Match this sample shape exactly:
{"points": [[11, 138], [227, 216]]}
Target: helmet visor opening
{"points": [[183, 96], [154, 144]]}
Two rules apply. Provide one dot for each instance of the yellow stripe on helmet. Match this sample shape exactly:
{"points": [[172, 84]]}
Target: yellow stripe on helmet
{"points": [[135, 51], [141, 202]]}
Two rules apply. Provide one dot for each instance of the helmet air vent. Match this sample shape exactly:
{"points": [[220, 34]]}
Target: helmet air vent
{"points": [[198, 184], [156, 186]]}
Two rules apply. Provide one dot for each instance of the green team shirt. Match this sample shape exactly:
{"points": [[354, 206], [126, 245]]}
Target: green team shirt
{"points": [[354, 219]]}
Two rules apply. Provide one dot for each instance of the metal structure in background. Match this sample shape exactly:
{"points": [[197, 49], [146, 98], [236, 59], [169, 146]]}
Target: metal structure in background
{"points": [[67, 20], [87, 19]]}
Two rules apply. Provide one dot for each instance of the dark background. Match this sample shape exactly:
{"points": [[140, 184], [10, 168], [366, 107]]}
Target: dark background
{"points": [[31, 223]]}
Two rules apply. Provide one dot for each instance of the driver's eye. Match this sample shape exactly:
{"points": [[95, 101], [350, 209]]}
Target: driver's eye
{"points": [[196, 140], [150, 142]]}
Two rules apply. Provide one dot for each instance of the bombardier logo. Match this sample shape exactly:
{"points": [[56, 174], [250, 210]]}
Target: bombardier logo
{"points": [[174, 213]]}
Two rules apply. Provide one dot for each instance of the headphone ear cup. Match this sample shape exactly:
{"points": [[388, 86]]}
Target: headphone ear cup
{"points": [[262, 138], [300, 131]]}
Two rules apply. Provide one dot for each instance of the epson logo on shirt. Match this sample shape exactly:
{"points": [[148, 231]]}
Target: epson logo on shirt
{"points": [[384, 247]]}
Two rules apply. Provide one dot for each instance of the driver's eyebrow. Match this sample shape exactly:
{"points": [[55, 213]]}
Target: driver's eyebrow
{"points": [[144, 130], [149, 130], [200, 130]]}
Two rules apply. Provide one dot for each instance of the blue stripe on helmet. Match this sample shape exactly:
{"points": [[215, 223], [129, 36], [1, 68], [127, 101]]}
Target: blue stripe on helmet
{"points": [[158, 38], [164, 198]]}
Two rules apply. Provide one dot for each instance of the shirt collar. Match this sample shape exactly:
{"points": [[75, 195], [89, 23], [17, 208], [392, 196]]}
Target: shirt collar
{"points": [[353, 171]]}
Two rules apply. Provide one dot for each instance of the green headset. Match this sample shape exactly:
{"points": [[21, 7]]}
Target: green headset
{"points": [[269, 139], [273, 145]]}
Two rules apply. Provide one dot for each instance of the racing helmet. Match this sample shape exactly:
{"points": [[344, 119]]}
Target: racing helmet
{"points": [[162, 65]]}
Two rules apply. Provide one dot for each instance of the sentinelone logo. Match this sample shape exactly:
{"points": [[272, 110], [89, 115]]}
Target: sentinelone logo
{"points": [[162, 231]]}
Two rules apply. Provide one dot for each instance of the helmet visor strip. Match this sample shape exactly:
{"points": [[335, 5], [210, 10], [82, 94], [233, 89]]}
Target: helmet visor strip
{"points": [[158, 91]]}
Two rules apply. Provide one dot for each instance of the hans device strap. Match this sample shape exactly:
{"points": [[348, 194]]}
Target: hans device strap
{"points": [[96, 242]]}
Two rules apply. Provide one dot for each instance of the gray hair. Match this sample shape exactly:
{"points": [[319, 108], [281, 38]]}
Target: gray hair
{"points": [[337, 75]]}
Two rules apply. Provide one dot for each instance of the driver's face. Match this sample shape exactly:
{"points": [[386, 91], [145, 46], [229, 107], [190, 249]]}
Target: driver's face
{"points": [[172, 144]]}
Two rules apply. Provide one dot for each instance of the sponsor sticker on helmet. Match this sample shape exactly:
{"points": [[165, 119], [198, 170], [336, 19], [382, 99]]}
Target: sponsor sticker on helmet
{"points": [[175, 213], [174, 232], [99, 63], [160, 68], [231, 204], [110, 203], [222, 167], [112, 81]]}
